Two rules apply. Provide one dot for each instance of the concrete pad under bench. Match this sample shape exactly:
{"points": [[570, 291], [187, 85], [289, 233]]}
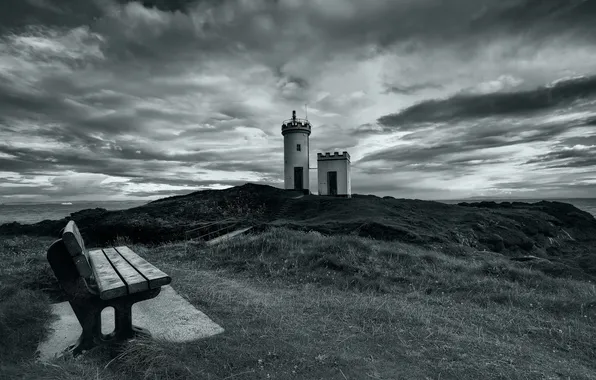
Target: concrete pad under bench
{"points": [[167, 316]]}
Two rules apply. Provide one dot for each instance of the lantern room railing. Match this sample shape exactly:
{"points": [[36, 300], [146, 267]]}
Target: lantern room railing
{"points": [[290, 121]]}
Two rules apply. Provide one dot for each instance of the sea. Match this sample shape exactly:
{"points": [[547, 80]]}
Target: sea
{"points": [[27, 213]]}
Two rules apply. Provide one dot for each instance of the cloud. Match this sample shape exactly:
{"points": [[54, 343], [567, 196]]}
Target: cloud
{"points": [[485, 141], [161, 97], [462, 106], [411, 89], [502, 83], [461, 137], [576, 156]]}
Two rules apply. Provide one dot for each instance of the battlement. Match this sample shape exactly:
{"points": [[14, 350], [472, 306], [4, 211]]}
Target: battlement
{"points": [[296, 125], [335, 156]]}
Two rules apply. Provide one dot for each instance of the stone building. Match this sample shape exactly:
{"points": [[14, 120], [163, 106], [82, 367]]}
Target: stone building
{"points": [[334, 173]]}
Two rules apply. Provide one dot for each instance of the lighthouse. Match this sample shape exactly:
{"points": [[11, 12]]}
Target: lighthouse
{"points": [[296, 134]]}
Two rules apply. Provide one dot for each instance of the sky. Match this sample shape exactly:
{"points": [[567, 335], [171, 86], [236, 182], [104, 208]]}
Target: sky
{"points": [[433, 99]]}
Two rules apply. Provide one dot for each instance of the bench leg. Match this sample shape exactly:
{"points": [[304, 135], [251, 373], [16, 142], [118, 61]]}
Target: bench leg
{"points": [[89, 316], [124, 327], [84, 343], [123, 315]]}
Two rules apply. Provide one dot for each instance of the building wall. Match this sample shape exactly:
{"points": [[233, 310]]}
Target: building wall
{"points": [[293, 158], [342, 166], [349, 180]]}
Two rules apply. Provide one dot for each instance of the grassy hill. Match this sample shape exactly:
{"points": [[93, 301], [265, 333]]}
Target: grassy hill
{"points": [[560, 237], [331, 288], [302, 305]]}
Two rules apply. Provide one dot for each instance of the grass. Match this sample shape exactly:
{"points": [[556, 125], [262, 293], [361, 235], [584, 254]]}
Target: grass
{"points": [[306, 306]]}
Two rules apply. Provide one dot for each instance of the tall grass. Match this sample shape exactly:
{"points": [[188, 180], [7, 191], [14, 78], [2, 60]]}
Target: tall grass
{"points": [[24, 315], [304, 305], [354, 263]]}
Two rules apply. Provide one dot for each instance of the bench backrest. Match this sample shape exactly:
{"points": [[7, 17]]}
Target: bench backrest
{"points": [[76, 247]]}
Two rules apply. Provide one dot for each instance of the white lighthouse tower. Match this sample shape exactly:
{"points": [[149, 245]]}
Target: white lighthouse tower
{"points": [[296, 150]]}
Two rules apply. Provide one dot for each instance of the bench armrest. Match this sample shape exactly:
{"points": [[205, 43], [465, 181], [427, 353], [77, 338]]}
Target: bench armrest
{"points": [[91, 285]]}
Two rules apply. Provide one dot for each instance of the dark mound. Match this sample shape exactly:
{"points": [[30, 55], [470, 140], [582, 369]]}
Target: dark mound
{"points": [[555, 231], [168, 219]]}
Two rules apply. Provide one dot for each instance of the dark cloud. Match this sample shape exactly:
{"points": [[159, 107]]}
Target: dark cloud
{"points": [[578, 156], [588, 138], [411, 89], [369, 129], [76, 115], [549, 16], [578, 163], [263, 168], [170, 5], [108, 160], [339, 24], [437, 159], [469, 138], [463, 106], [189, 29], [292, 88], [466, 23], [24, 103], [16, 15], [591, 121], [464, 145]]}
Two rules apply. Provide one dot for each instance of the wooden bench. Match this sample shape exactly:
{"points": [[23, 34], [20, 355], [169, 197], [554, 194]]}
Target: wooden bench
{"points": [[100, 278]]}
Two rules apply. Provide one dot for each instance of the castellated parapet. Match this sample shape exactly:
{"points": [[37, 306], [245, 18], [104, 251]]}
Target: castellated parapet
{"points": [[296, 125], [335, 156]]}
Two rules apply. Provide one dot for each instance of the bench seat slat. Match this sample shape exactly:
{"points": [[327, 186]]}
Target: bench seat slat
{"points": [[155, 276], [110, 285], [133, 280]]}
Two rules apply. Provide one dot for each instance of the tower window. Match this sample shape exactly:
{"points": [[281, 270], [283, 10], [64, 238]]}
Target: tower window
{"points": [[298, 148]]}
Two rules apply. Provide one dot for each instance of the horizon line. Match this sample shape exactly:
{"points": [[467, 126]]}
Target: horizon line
{"points": [[477, 198]]}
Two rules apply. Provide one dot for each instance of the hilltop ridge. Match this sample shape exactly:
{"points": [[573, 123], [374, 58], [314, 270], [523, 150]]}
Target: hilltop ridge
{"points": [[552, 234]]}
